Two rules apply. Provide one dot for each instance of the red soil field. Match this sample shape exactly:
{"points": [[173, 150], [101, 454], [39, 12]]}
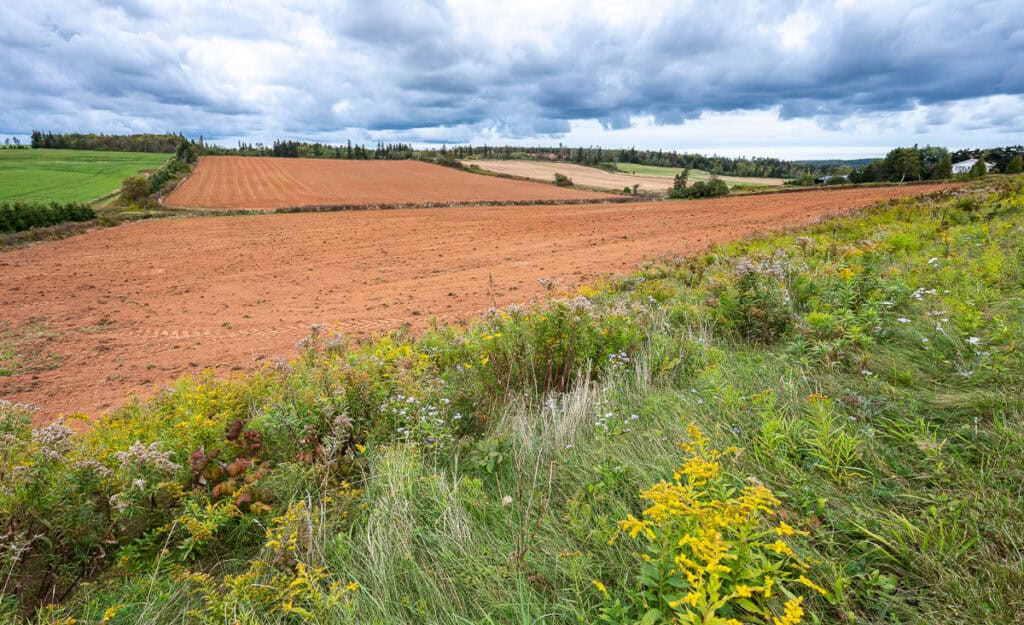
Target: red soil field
{"points": [[237, 182], [128, 309]]}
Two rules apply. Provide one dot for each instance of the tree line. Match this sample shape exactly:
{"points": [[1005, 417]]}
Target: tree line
{"points": [[302, 149], [935, 163], [161, 143]]}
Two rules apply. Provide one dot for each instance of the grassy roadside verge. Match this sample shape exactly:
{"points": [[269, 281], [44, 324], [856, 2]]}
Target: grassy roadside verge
{"points": [[869, 369]]}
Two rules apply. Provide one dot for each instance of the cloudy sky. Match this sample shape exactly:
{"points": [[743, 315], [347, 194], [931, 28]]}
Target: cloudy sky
{"points": [[791, 79]]}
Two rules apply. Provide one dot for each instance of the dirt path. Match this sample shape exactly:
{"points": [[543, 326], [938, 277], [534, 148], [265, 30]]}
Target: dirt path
{"points": [[238, 182], [96, 317]]}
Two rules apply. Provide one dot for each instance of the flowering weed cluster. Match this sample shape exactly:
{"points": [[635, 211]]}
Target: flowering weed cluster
{"points": [[711, 554]]}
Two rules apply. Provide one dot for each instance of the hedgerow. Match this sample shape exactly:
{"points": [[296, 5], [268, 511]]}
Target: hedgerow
{"points": [[862, 377], [19, 216]]}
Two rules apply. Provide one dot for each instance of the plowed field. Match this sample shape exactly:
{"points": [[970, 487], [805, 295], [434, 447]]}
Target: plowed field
{"points": [[235, 182], [599, 178], [87, 320]]}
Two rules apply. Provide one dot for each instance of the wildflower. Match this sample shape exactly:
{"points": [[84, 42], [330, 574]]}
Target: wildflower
{"points": [[54, 440], [352, 587], [506, 500], [785, 529], [781, 548], [793, 613], [139, 455], [973, 340], [806, 582], [110, 613], [903, 320], [745, 267], [634, 527], [597, 584]]}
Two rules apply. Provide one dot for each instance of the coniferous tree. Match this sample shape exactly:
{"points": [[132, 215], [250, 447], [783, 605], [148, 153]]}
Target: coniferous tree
{"points": [[980, 168], [944, 169]]}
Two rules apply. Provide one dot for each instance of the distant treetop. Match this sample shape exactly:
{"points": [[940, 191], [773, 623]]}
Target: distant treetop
{"points": [[163, 143]]}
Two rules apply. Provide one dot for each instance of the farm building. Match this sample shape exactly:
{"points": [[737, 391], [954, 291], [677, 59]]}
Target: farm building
{"points": [[831, 179], [965, 166]]}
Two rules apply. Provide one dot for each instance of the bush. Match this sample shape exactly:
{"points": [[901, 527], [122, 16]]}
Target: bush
{"points": [[679, 189], [24, 215], [134, 188], [755, 307], [162, 176], [715, 187], [562, 180]]}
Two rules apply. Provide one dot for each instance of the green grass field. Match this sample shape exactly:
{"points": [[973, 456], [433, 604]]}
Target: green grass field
{"points": [[696, 175], [67, 175]]}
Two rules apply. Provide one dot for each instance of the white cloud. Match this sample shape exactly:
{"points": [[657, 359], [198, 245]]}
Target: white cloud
{"points": [[781, 75]]}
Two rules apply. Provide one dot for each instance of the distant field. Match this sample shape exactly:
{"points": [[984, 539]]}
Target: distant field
{"points": [[68, 175], [695, 174], [647, 178], [591, 177], [238, 182]]}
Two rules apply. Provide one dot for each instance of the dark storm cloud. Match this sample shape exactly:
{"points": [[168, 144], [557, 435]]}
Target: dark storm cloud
{"points": [[518, 71]]}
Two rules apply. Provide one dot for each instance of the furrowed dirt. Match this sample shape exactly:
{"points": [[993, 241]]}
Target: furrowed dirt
{"points": [[596, 178], [236, 182], [89, 320]]}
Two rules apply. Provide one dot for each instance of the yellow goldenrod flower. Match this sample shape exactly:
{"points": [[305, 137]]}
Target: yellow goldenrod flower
{"points": [[785, 529], [806, 582], [793, 613], [597, 584], [110, 613]]}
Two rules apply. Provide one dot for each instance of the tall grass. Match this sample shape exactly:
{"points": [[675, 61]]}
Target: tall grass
{"points": [[868, 369]]}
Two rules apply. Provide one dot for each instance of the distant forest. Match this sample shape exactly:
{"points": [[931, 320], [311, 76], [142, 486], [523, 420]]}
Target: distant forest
{"points": [[300, 149], [164, 143]]}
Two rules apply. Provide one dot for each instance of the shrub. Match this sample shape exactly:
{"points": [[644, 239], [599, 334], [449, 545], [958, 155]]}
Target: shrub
{"points": [[20, 216], [679, 189], [755, 307], [715, 187], [562, 180], [980, 168], [165, 174], [134, 188]]}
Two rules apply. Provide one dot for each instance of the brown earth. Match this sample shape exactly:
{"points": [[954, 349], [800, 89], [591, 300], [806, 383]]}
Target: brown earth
{"points": [[237, 182], [599, 178], [127, 309]]}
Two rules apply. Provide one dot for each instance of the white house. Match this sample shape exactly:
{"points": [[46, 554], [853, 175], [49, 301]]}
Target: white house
{"points": [[965, 166]]}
